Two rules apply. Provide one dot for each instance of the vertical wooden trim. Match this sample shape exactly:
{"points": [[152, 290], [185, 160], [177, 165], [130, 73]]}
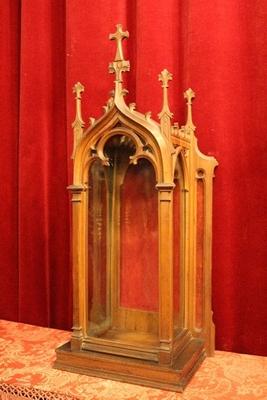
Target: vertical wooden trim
{"points": [[190, 251], [79, 295], [209, 326], [166, 327]]}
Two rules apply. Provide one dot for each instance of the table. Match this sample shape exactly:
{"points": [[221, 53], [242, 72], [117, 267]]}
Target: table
{"points": [[27, 354]]}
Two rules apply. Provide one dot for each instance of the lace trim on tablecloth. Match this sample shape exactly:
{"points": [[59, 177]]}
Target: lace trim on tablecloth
{"points": [[14, 392]]}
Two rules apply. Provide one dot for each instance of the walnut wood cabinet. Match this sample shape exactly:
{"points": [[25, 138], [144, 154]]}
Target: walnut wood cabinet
{"points": [[142, 214]]}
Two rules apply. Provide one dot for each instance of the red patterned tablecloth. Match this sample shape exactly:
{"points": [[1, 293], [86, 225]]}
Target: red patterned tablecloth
{"points": [[27, 354]]}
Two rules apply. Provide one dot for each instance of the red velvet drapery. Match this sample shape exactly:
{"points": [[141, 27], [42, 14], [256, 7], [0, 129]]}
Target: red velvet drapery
{"points": [[34, 257], [218, 49]]}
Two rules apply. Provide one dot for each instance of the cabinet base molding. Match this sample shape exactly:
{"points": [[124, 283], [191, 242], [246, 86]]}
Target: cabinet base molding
{"points": [[139, 372]]}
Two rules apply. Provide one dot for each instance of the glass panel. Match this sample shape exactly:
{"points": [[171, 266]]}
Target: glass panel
{"points": [[176, 251], [139, 238], [98, 286], [123, 247], [178, 246]]}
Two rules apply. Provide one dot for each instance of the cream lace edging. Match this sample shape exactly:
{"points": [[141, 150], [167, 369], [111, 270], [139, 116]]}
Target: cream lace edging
{"points": [[13, 392]]}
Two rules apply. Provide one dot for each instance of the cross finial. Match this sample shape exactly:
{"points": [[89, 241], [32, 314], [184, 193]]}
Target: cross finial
{"points": [[119, 35], [119, 65], [189, 95]]}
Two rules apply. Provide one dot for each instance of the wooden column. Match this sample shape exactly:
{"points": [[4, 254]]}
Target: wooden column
{"points": [[78, 266], [208, 324], [165, 271]]}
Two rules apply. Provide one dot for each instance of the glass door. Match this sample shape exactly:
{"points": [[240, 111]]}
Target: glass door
{"points": [[123, 248]]}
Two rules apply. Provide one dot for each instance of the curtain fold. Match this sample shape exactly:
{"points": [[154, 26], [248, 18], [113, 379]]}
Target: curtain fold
{"points": [[218, 50], [43, 200], [9, 119], [35, 265]]}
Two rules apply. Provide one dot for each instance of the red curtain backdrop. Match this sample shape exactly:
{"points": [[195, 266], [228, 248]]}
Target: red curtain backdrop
{"points": [[219, 50], [34, 206]]}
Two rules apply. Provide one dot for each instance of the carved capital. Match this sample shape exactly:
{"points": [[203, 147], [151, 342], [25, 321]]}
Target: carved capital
{"points": [[165, 186], [165, 190], [76, 188], [76, 191]]}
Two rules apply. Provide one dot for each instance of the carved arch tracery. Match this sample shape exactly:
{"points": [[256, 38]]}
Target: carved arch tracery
{"points": [[142, 149], [149, 146]]}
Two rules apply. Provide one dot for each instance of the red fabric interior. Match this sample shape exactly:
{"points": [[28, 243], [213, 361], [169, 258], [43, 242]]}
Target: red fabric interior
{"points": [[217, 49], [139, 239]]}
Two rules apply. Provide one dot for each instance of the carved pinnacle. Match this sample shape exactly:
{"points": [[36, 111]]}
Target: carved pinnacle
{"points": [[165, 76], [78, 88], [189, 95], [165, 115], [78, 123]]}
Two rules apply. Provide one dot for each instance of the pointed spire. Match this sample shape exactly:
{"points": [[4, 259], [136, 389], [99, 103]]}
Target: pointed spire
{"points": [[189, 95], [119, 65], [78, 123], [165, 115]]}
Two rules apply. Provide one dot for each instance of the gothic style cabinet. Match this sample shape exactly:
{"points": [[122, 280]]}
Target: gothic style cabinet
{"points": [[142, 200]]}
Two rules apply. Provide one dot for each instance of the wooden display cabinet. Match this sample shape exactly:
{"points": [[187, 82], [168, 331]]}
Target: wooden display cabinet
{"points": [[142, 201]]}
